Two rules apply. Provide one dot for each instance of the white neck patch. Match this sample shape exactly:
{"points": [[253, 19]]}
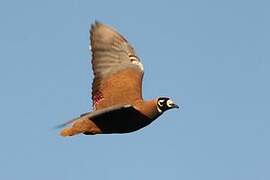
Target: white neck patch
{"points": [[159, 110]]}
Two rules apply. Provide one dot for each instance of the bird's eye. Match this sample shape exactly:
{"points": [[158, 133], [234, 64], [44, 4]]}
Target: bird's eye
{"points": [[170, 103]]}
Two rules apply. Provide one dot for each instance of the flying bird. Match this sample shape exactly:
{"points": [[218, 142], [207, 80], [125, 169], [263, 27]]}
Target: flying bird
{"points": [[118, 105]]}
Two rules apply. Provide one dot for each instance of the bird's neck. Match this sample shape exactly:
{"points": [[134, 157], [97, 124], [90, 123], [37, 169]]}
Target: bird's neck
{"points": [[148, 108]]}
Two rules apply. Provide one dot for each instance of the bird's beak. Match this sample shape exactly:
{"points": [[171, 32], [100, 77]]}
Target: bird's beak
{"points": [[175, 106]]}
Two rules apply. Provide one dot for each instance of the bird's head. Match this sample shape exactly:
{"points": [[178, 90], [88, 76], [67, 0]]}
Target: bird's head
{"points": [[164, 103]]}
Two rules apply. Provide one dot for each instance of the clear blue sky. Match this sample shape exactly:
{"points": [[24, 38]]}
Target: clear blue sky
{"points": [[211, 57]]}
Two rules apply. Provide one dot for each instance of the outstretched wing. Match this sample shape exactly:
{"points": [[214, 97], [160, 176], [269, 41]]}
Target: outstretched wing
{"points": [[117, 69]]}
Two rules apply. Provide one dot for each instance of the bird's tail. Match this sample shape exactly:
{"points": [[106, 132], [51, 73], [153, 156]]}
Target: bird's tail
{"points": [[67, 131]]}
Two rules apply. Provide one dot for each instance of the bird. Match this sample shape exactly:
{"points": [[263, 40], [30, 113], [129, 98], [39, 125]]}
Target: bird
{"points": [[117, 102]]}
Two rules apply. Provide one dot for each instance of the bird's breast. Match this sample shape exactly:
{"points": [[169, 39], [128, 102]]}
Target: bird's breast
{"points": [[127, 120], [122, 123]]}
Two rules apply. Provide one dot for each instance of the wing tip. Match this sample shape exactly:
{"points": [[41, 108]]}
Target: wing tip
{"points": [[96, 24], [65, 124]]}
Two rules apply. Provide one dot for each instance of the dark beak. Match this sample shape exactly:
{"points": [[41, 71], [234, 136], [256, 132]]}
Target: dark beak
{"points": [[175, 106]]}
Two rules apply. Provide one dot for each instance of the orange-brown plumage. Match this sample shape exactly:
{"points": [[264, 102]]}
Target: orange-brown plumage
{"points": [[116, 79], [118, 106], [121, 88]]}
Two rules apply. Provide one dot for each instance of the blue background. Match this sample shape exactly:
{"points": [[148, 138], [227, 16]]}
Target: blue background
{"points": [[211, 57]]}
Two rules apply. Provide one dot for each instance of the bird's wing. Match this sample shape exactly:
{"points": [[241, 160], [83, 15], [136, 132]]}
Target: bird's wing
{"points": [[117, 69], [98, 113]]}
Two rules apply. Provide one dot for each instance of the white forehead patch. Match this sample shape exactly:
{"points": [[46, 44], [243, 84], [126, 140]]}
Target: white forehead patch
{"points": [[170, 103]]}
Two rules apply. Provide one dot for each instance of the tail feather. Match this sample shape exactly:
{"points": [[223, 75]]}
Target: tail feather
{"points": [[69, 132]]}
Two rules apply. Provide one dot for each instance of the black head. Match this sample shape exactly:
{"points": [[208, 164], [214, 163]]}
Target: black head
{"points": [[164, 103]]}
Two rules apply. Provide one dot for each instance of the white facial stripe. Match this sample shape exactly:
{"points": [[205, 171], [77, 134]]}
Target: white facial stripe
{"points": [[159, 110], [161, 101], [170, 103]]}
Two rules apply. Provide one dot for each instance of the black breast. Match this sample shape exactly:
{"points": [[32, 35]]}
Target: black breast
{"points": [[122, 120]]}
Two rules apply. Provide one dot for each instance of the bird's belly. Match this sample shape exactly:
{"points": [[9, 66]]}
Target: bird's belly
{"points": [[110, 125]]}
